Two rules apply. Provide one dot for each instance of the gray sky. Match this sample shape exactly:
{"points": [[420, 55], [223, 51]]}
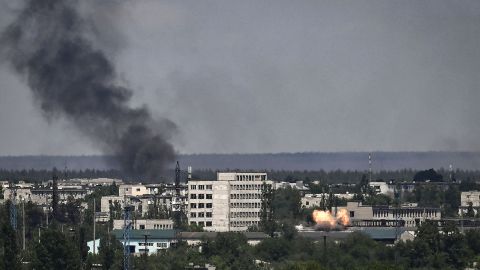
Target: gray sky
{"points": [[278, 76]]}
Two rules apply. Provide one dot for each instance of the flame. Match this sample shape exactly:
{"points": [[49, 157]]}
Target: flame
{"points": [[325, 218], [342, 217]]}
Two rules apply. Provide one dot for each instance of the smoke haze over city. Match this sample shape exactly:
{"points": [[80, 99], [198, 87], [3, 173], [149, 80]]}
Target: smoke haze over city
{"points": [[252, 77]]}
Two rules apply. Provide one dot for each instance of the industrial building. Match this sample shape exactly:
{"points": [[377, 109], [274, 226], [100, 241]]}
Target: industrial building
{"points": [[387, 216]]}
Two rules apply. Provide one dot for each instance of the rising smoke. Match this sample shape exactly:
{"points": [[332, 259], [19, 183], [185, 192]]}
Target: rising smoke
{"points": [[47, 46]]}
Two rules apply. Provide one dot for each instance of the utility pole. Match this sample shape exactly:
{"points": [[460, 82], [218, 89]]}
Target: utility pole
{"points": [[146, 243], [93, 226]]}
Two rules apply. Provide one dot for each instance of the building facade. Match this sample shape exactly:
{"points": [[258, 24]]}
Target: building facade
{"points": [[231, 203], [145, 224], [468, 198], [386, 216]]}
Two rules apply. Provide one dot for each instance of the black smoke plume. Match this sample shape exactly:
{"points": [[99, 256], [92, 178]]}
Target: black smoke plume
{"points": [[47, 46]]}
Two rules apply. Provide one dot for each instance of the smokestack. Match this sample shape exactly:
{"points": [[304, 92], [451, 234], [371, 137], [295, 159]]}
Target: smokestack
{"points": [[70, 79]]}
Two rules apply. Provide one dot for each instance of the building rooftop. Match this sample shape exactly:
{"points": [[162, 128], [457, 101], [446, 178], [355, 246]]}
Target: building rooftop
{"points": [[152, 234]]}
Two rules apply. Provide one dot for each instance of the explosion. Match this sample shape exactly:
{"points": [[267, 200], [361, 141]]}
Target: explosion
{"points": [[326, 219]]}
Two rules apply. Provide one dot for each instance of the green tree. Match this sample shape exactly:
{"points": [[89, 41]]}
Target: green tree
{"points": [[110, 252], [267, 221], [56, 252], [10, 257], [455, 246], [286, 204], [470, 212]]}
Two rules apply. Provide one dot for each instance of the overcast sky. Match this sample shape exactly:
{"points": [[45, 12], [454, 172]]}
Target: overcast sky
{"points": [[278, 76]]}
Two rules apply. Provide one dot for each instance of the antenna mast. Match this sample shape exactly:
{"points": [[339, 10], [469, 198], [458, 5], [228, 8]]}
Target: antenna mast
{"points": [[369, 167]]}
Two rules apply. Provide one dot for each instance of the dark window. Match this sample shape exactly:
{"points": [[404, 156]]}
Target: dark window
{"points": [[209, 224], [201, 205], [193, 196], [209, 196], [352, 213], [201, 214], [209, 214], [142, 227], [201, 196], [209, 205], [193, 205]]}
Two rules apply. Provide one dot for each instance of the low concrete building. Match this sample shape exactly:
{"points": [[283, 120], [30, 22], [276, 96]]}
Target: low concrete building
{"points": [[156, 240], [315, 200], [43, 195], [404, 216], [132, 190], [145, 224], [468, 198], [383, 188], [298, 185]]}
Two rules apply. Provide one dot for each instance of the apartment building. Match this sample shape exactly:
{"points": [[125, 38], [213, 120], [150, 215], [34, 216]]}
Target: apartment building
{"points": [[231, 203]]}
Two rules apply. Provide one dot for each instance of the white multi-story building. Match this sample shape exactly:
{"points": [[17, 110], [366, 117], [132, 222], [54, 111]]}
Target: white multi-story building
{"points": [[231, 203]]}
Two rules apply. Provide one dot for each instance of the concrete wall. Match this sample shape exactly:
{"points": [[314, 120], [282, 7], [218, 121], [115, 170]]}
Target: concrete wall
{"points": [[146, 224], [470, 197]]}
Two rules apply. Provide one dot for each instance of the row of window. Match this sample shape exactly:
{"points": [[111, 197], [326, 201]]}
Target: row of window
{"points": [[201, 196], [202, 224], [243, 223], [161, 244], [244, 214], [162, 226], [405, 213], [246, 187], [246, 196], [201, 187], [245, 205], [201, 214], [201, 205], [251, 177]]}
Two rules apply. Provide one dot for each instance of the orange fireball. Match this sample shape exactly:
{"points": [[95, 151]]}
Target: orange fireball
{"points": [[326, 219]]}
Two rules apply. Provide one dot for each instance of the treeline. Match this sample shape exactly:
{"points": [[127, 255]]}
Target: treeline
{"points": [[330, 177], [43, 175], [340, 176]]}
